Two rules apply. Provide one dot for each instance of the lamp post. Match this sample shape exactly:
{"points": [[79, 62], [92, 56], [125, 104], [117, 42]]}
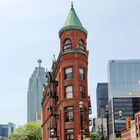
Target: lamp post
{"points": [[52, 132], [107, 119], [102, 129], [120, 113], [81, 119]]}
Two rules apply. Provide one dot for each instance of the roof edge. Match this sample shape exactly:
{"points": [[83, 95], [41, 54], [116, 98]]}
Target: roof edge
{"points": [[67, 28]]}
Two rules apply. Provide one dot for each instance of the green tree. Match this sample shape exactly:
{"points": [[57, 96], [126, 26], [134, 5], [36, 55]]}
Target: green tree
{"points": [[94, 136], [30, 131]]}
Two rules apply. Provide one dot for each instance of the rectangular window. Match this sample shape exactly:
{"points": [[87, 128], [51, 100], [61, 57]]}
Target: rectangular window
{"points": [[69, 134], [68, 92], [81, 74], [68, 73], [82, 92], [69, 114]]}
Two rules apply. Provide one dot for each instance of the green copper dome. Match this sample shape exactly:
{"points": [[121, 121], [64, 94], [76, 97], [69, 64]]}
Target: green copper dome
{"points": [[72, 22]]}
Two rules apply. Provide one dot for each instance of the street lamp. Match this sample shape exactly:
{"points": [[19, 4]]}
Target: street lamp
{"points": [[52, 132], [81, 119], [120, 113]]}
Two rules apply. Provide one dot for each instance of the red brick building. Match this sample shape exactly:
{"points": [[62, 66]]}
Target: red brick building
{"points": [[67, 87], [126, 135], [137, 123]]}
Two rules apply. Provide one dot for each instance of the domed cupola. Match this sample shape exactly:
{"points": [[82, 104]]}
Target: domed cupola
{"points": [[72, 23]]}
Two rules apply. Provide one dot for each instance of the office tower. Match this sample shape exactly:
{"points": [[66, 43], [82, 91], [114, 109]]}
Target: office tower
{"points": [[101, 99], [124, 93], [35, 91], [6, 129], [66, 95]]}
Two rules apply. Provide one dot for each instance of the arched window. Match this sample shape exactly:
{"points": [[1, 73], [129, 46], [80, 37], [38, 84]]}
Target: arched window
{"points": [[67, 45], [81, 45]]}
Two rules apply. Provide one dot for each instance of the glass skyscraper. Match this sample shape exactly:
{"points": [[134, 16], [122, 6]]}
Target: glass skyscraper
{"points": [[124, 78], [124, 93], [101, 98], [35, 91]]}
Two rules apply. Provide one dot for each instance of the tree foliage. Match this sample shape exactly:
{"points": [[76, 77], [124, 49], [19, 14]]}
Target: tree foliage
{"points": [[95, 136], [30, 131]]}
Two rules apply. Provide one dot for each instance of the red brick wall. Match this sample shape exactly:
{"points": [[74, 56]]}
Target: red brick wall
{"points": [[75, 36], [75, 60]]}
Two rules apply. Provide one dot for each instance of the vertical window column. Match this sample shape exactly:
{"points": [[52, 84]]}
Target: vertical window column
{"points": [[68, 73], [81, 74], [68, 92], [69, 134], [69, 114], [82, 92]]}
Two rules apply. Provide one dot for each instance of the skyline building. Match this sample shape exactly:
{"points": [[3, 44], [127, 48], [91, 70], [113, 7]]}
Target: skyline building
{"points": [[124, 93], [123, 78], [65, 104], [101, 99], [35, 90], [6, 129]]}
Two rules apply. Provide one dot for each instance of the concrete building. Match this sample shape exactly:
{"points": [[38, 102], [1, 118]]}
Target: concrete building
{"points": [[133, 130], [6, 130], [65, 104], [35, 91], [101, 99], [101, 126], [124, 93], [126, 135]]}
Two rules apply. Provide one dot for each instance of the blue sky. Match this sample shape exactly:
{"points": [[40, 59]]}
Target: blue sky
{"points": [[29, 30]]}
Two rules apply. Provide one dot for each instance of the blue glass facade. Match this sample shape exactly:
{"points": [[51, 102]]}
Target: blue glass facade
{"points": [[129, 106], [6, 129], [124, 92], [123, 78], [101, 98]]}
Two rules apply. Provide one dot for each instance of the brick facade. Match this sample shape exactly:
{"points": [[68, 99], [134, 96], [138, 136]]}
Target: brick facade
{"points": [[67, 115]]}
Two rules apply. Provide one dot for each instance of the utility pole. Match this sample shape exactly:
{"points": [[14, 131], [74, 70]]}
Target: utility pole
{"points": [[102, 129]]}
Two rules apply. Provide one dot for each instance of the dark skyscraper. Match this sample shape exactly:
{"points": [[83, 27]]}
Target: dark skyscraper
{"points": [[101, 98]]}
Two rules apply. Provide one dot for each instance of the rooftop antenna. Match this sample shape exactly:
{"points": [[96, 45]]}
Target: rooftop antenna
{"points": [[71, 4], [54, 58], [39, 62]]}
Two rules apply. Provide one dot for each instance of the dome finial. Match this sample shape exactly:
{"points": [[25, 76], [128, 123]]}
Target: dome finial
{"points": [[71, 4], [72, 22], [39, 62]]}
